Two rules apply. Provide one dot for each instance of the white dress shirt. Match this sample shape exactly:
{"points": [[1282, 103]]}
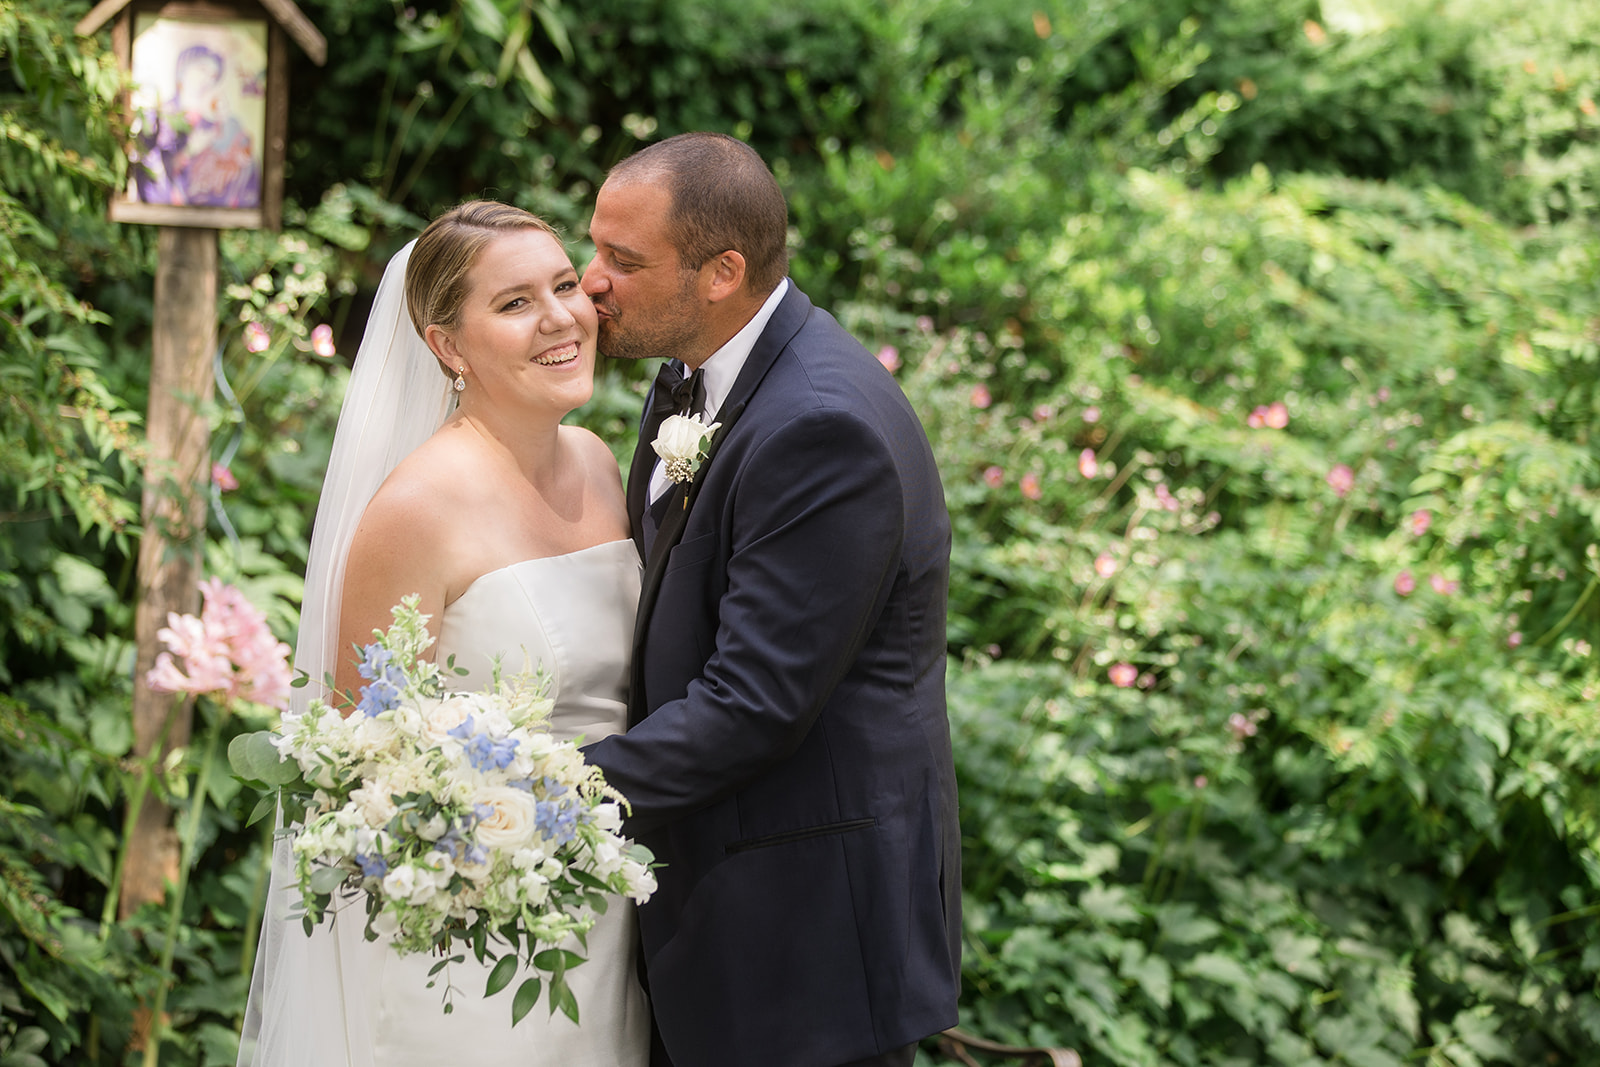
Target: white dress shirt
{"points": [[719, 372]]}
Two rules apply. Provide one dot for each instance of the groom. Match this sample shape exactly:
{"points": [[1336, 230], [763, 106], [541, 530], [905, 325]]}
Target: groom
{"points": [[788, 756]]}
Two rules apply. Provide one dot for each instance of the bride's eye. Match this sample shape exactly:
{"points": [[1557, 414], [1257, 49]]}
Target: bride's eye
{"points": [[513, 304]]}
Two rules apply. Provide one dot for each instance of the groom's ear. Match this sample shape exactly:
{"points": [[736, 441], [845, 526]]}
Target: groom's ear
{"points": [[725, 275]]}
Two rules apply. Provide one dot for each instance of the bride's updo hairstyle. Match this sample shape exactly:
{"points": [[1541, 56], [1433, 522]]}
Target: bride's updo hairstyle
{"points": [[436, 277]]}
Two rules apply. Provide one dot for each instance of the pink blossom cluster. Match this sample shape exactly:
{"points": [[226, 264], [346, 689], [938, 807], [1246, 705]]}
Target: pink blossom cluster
{"points": [[322, 341], [256, 337], [228, 651], [1341, 480], [1405, 583], [1274, 415]]}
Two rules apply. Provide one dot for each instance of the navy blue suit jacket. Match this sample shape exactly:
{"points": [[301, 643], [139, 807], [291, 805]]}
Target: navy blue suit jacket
{"points": [[789, 755]]}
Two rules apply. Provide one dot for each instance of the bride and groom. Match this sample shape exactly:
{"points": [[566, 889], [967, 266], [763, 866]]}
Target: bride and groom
{"points": [[754, 656]]}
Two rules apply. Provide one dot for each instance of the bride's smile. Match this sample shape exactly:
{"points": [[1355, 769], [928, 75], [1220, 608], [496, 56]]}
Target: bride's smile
{"points": [[558, 355]]}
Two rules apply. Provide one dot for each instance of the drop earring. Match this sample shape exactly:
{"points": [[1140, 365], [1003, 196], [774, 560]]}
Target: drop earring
{"points": [[461, 382]]}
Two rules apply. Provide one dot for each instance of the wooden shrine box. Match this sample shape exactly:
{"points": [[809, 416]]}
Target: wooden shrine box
{"points": [[208, 113]]}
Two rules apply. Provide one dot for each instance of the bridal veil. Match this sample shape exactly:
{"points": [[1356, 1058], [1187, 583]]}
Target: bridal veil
{"points": [[311, 997]]}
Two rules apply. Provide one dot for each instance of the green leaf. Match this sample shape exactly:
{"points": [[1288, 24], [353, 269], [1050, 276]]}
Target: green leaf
{"points": [[254, 759], [264, 807], [527, 996], [556, 960], [327, 879], [1224, 970], [561, 996], [501, 976]]}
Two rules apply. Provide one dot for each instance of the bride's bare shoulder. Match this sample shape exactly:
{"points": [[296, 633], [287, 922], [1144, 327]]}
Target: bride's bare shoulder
{"points": [[427, 495], [598, 461]]}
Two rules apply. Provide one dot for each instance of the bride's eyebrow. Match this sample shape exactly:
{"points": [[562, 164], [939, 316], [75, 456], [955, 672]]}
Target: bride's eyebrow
{"points": [[517, 287]]}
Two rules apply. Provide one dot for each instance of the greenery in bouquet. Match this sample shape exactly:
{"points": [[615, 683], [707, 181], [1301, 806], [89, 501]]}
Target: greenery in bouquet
{"points": [[456, 816]]}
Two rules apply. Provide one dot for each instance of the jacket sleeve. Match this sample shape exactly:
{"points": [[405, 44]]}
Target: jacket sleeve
{"points": [[817, 528]]}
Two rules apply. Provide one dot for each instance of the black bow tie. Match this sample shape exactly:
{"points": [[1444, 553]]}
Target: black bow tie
{"points": [[677, 394]]}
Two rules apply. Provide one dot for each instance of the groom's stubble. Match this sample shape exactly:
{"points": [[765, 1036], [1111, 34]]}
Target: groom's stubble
{"points": [[669, 329]]}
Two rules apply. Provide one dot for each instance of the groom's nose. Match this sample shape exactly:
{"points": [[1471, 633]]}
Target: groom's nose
{"points": [[594, 280]]}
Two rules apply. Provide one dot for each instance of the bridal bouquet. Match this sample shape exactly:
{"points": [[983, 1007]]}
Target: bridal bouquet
{"points": [[464, 824]]}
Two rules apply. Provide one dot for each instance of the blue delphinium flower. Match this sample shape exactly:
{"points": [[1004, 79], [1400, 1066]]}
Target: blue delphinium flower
{"points": [[372, 866], [556, 820], [385, 681], [482, 751]]}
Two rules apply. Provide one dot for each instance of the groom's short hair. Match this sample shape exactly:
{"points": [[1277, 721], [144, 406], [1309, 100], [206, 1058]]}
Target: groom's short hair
{"points": [[723, 198]]}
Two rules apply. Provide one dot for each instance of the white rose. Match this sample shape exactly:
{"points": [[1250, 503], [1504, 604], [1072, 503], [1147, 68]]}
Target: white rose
{"points": [[449, 713], [434, 828], [510, 823], [680, 437]]}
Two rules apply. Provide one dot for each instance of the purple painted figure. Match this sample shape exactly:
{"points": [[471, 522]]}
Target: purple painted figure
{"points": [[195, 153]]}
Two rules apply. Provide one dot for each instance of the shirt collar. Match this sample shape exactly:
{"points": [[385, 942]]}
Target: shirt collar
{"points": [[722, 368]]}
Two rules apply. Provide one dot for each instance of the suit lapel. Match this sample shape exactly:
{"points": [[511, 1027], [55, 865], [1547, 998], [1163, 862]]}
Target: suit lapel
{"points": [[639, 471], [786, 321]]}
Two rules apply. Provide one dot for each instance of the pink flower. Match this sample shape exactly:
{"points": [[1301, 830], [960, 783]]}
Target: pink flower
{"points": [[1088, 466], [1342, 479], [924, 323], [1201, 781], [1043, 413], [1091, 414], [1515, 639], [1241, 726], [1404, 583], [1030, 486], [1257, 418], [1105, 564], [1165, 498], [980, 396], [228, 651], [322, 341], [994, 477], [1442, 585], [1277, 415], [256, 337], [1420, 520], [223, 478], [1123, 675]]}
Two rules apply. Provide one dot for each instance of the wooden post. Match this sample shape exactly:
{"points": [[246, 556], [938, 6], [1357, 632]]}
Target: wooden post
{"points": [[174, 516]]}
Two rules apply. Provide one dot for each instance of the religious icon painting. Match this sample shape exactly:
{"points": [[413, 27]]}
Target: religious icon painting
{"points": [[199, 112]]}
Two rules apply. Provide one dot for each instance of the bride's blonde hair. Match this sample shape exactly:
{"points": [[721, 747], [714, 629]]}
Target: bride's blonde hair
{"points": [[436, 277]]}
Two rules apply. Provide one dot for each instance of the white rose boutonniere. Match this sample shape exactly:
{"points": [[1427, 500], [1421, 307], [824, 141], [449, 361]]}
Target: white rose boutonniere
{"points": [[681, 443]]}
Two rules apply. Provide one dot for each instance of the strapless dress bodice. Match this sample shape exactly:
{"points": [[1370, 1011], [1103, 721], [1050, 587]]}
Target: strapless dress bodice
{"points": [[571, 615]]}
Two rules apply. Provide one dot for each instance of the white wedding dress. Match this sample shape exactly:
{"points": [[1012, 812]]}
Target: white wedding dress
{"points": [[573, 615]]}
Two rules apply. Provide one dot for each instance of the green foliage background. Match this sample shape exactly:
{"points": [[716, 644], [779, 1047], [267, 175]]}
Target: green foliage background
{"points": [[1276, 726]]}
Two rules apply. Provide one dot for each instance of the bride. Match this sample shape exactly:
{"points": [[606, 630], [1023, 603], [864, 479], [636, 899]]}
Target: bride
{"points": [[453, 478]]}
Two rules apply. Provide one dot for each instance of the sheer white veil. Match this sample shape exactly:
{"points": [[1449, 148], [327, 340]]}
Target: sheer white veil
{"points": [[311, 998]]}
